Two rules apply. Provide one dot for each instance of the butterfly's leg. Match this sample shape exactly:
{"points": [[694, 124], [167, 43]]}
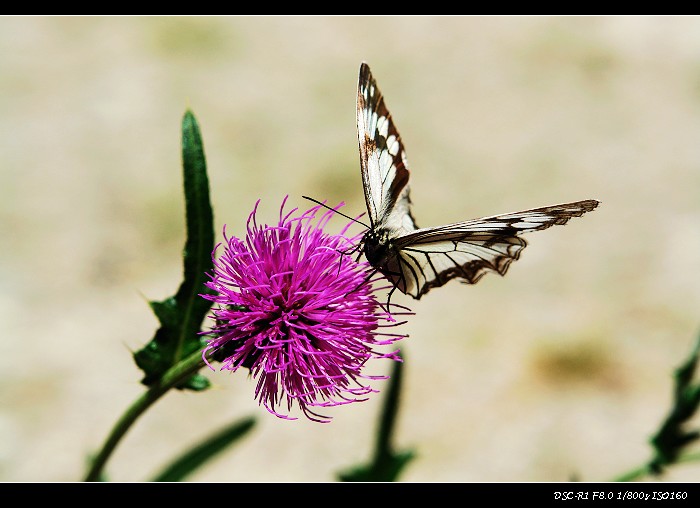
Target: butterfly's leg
{"points": [[367, 279], [347, 253]]}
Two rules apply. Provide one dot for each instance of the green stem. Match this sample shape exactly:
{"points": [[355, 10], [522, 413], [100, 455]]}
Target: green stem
{"points": [[632, 475], [172, 377], [646, 470]]}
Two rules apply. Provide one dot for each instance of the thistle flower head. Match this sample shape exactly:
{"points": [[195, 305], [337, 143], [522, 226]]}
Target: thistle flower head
{"points": [[302, 316]]}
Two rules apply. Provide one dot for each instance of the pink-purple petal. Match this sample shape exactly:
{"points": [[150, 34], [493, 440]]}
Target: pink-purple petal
{"points": [[300, 314]]}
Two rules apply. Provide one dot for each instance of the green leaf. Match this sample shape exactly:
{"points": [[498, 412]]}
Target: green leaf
{"points": [[672, 436], [181, 316], [189, 461], [386, 465], [387, 470]]}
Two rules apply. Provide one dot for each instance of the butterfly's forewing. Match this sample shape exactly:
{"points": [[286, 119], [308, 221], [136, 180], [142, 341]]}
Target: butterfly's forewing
{"points": [[382, 160], [430, 257]]}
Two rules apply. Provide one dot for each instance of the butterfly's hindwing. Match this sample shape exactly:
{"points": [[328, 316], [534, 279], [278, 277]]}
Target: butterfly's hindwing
{"points": [[431, 257], [425, 266], [417, 260]]}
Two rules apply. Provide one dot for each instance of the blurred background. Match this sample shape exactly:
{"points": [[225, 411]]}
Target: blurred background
{"points": [[560, 370]]}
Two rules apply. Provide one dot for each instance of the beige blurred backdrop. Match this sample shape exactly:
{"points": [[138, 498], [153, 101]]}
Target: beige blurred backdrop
{"points": [[560, 370]]}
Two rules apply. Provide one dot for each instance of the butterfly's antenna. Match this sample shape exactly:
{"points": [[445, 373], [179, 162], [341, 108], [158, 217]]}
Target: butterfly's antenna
{"points": [[342, 252], [336, 211]]}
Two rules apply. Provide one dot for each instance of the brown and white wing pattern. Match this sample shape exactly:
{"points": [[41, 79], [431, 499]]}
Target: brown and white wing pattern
{"points": [[382, 160], [430, 257], [417, 260]]}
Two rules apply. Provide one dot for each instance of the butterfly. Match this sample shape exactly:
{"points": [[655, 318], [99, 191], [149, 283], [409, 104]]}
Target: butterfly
{"points": [[416, 260]]}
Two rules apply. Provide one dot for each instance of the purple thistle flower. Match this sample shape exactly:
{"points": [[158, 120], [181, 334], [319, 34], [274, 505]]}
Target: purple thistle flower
{"points": [[296, 312]]}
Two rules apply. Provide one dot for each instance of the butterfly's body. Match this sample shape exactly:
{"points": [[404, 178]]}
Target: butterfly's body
{"points": [[417, 260], [380, 251]]}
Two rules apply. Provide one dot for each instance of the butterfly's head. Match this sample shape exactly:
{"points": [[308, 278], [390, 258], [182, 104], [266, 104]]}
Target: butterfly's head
{"points": [[377, 247]]}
